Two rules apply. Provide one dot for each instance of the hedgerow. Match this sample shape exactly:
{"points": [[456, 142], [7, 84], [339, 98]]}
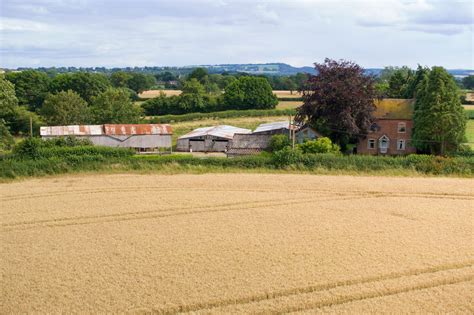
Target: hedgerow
{"points": [[35, 157]]}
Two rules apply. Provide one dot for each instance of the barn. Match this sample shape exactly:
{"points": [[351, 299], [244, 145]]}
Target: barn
{"points": [[209, 139], [259, 139], [142, 137]]}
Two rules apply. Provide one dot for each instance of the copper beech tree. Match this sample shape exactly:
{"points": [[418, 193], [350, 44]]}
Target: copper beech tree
{"points": [[338, 101]]}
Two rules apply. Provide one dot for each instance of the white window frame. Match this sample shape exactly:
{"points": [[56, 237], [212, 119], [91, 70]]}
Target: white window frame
{"points": [[403, 146], [368, 144], [402, 125]]}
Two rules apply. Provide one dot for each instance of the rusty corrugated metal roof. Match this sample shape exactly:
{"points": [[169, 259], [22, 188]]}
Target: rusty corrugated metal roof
{"points": [[73, 130], [222, 131], [137, 129], [109, 129]]}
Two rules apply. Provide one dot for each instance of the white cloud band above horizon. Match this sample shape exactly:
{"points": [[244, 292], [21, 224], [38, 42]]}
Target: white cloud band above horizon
{"points": [[182, 32]]}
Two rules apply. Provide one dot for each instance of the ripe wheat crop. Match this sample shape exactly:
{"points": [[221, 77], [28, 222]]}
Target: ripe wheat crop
{"points": [[236, 243]]}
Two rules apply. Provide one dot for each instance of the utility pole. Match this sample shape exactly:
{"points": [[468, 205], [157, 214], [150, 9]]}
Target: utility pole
{"points": [[289, 128], [292, 130]]}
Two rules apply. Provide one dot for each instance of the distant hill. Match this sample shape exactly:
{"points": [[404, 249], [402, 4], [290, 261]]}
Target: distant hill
{"points": [[251, 68], [286, 69], [263, 68]]}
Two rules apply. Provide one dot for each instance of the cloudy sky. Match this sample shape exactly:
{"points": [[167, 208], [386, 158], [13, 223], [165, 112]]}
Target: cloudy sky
{"points": [[374, 33]]}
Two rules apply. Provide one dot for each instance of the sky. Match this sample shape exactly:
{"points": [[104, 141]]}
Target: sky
{"points": [[120, 33]]}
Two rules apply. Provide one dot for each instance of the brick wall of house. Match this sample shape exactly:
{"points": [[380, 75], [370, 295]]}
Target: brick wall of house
{"points": [[389, 128]]}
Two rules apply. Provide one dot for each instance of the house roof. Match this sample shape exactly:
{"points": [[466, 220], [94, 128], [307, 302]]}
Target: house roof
{"points": [[391, 108], [273, 126], [109, 129], [221, 131]]}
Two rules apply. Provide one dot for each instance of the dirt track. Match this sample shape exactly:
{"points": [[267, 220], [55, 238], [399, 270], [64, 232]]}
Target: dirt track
{"points": [[237, 243]]}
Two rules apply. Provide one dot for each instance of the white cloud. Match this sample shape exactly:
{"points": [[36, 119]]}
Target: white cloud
{"points": [[172, 32], [18, 25]]}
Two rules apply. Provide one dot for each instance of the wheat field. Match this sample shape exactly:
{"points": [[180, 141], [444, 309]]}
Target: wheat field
{"points": [[156, 93], [236, 243]]}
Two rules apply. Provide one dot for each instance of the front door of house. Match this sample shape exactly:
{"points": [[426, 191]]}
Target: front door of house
{"points": [[384, 143]]}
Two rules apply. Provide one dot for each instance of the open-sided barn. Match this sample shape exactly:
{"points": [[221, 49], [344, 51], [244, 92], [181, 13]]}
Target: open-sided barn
{"points": [[259, 139], [143, 137], [209, 139]]}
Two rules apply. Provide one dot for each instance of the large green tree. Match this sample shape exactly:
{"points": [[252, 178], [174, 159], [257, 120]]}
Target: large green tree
{"points": [[87, 85], [115, 107], [468, 82], [8, 104], [120, 79], [439, 119], [199, 74], [8, 99], [193, 98], [65, 108], [31, 87], [250, 93], [339, 101], [16, 119], [140, 82]]}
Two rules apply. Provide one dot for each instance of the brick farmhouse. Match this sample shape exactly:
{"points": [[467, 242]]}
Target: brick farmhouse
{"points": [[391, 132]]}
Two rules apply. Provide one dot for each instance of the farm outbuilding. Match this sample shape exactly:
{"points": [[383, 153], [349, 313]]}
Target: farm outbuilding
{"points": [[259, 139], [209, 139], [142, 137]]}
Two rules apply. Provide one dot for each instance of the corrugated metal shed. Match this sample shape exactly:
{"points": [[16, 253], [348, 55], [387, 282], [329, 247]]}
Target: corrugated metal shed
{"points": [[222, 131], [273, 126], [74, 130], [137, 129]]}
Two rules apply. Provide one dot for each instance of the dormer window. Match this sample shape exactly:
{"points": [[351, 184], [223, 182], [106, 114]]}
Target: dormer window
{"points": [[402, 127]]}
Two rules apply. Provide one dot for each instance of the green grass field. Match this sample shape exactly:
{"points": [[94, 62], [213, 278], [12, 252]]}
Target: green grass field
{"points": [[470, 132]]}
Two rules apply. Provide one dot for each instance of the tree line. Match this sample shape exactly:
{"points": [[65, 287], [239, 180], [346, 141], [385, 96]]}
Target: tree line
{"points": [[402, 82], [203, 93]]}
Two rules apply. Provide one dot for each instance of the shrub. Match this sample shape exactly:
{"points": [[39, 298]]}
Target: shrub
{"points": [[286, 157], [28, 148], [6, 139], [321, 145], [278, 142]]}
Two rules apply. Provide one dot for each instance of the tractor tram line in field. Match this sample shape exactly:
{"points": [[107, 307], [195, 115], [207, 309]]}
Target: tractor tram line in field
{"points": [[444, 275], [237, 243], [179, 211]]}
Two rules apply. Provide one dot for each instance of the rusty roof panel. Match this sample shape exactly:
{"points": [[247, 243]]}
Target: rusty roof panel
{"points": [[137, 129], [73, 130], [222, 131]]}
